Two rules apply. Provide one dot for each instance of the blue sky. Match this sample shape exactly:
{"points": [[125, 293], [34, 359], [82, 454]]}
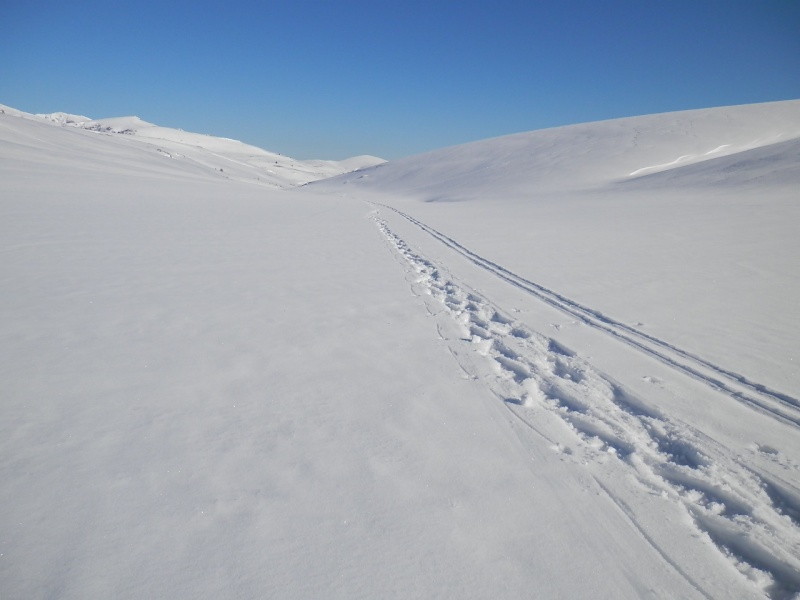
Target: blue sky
{"points": [[330, 79]]}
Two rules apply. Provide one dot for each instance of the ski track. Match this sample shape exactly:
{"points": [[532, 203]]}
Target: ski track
{"points": [[739, 387], [587, 417]]}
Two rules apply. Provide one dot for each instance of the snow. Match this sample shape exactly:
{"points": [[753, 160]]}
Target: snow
{"points": [[713, 235], [234, 159], [556, 364]]}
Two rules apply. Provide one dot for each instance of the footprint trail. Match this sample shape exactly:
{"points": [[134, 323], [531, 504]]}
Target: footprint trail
{"points": [[588, 418]]}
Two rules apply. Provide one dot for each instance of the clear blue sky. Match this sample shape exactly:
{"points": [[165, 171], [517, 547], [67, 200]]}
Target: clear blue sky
{"points": [[334, 78]]}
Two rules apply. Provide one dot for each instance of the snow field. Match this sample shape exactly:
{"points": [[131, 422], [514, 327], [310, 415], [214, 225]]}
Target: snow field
{"points": [[507, 369]]}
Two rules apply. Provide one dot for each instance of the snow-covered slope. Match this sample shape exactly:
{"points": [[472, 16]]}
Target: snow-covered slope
{"points": [[231, 158], [585, 156], [506, 370], [684, 223]]}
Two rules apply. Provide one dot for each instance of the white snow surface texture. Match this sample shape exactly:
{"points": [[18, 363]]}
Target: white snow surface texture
{"points": [[558, 364]]}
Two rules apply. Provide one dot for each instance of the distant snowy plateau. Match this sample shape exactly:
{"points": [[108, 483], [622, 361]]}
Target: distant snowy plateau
{"points": [[557, 364]]}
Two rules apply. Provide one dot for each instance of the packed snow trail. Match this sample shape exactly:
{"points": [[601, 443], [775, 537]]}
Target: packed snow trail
{"points": [[759, 396], [751, 518]]}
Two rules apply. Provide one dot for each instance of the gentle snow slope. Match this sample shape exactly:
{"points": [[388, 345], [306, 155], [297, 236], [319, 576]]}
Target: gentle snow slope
{"points": [[585, 156], [217, 390]]}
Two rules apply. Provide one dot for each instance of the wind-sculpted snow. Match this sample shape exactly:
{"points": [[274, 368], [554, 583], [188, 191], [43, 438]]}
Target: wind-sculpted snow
{"points": [[686, 158], [585, 415], [773, 164]]}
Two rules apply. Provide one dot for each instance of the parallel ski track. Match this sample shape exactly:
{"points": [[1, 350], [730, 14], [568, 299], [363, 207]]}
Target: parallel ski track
{"points": [[749, 516], [756, 395]]}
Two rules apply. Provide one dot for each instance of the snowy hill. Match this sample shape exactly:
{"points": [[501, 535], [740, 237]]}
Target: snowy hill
{"points": [[233, 159], [586, 156], [560, 364]]}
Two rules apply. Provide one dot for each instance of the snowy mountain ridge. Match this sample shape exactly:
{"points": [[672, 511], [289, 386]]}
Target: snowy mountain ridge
{"points": [[235, 159]]}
